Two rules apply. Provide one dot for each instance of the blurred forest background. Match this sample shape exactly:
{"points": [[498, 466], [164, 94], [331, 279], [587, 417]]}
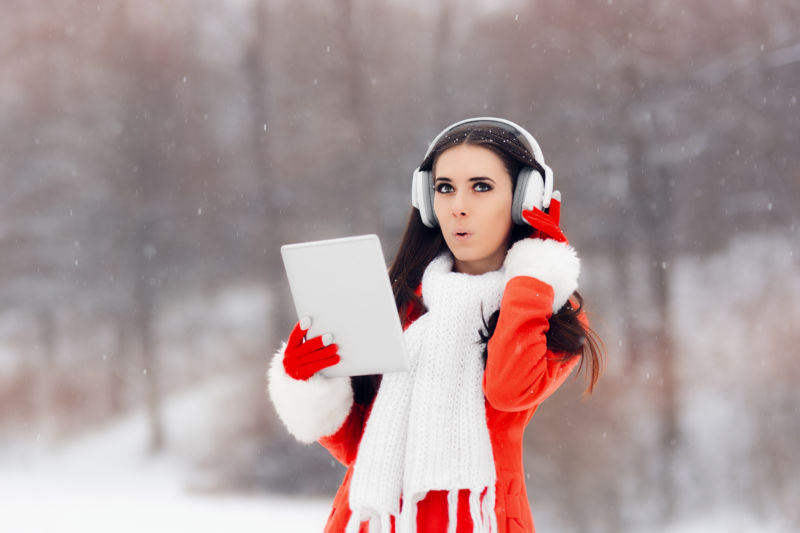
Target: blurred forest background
{"points": [[155, 155]]}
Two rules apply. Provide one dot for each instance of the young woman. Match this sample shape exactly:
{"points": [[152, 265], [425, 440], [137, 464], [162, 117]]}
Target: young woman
{"points": [[485, 283]]}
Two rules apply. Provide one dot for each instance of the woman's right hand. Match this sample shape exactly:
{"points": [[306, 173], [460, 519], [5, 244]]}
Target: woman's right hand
{"points": [[304, 358]]}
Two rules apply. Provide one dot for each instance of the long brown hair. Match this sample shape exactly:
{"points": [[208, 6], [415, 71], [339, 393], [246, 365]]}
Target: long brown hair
{"points": [[568, 336]]}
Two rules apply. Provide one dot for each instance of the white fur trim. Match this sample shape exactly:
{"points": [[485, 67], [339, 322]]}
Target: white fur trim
{"points": [[555, 263], [309, 409]]}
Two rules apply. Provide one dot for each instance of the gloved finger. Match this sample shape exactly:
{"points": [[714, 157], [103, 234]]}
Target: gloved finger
{"points": [[542, 222], [312, 365], [555, 207], [327, 356], [555, 233], [321, 353], [304, 366], [296, 337], [311, 345], [537, 218], [310, 370]]}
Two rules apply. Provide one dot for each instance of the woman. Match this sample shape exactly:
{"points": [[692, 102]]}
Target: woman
{"points": [[485, 282]]}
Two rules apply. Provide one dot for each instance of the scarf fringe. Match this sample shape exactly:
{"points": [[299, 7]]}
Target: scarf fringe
{"points": [[378, 523], [475, 510], [484, 519], [386, 523], [487, 511], [452, 511], [408, 516], [481, 510], [354, 523]]}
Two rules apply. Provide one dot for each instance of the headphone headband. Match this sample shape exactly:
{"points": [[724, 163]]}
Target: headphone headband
{"points": [[521, 133]]}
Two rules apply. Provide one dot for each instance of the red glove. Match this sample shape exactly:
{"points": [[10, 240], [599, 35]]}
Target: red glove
{"points": [[547, 223], [304, 358]]}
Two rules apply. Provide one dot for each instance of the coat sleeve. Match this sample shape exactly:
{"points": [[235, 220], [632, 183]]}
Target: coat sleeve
{"points": [[520, 371], [343, 444], [309, 409]]}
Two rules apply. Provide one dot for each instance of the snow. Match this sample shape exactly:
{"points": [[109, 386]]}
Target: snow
{"points": [[151, 504], [722, 521], [106, 482]]}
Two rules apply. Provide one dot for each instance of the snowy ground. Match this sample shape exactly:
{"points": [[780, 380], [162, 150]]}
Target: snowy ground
{"points": [[104, 482]]}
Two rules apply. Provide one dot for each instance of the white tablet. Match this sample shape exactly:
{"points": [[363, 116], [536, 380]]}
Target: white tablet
{"points": [[343, 286]]}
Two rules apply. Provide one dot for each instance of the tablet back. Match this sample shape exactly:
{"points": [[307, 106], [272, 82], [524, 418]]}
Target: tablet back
{"points": [[343, 286]]}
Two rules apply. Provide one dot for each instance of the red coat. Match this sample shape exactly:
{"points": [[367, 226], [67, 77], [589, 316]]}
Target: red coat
{"points": [[520, 373]]}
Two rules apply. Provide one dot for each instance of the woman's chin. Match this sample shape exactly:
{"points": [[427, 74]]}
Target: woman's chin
{"points": [[475, 266]]}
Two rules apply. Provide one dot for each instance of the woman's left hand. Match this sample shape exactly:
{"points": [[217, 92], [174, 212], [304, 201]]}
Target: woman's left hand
{"points": [[547, 223]]}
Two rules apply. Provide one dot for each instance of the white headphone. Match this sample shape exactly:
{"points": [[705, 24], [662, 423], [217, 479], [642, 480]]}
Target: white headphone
{"points": [[532, 189]]}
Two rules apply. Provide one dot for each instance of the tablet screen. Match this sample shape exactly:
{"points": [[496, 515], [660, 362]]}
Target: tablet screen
{"points": [[343, 286]]}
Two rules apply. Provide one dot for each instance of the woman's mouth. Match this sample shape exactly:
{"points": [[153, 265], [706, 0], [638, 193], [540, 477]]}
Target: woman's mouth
{"points": [[461, 235]]}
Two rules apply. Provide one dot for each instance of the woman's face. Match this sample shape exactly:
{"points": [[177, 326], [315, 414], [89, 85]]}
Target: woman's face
{"points": [[472, 201]]}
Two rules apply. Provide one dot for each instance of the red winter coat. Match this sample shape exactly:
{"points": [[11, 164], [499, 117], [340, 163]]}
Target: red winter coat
{"points": [[520, 373]]}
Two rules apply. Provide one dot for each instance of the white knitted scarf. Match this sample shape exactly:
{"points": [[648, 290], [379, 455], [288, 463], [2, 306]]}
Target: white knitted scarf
{"points": [[427, 429]]}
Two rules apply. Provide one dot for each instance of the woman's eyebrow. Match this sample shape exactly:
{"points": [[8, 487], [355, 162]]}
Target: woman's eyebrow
{"points": [[476, 178]]}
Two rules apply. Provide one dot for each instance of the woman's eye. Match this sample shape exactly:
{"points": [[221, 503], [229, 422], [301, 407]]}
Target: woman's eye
{"points": [[482, 186], [444, 188]]}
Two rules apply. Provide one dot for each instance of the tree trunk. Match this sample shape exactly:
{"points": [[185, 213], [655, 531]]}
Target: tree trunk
{"points": [[661, 257], [115, 366], [257, 76], [45, 396], [651, 201], [144, 298], [442, 92]]}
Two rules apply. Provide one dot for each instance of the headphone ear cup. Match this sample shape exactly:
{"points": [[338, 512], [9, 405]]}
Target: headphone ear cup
{"points": [[528, 193], [422, 197]]}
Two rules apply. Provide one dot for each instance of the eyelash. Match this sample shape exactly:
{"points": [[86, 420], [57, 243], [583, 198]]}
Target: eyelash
{"points": [[482, 184]]}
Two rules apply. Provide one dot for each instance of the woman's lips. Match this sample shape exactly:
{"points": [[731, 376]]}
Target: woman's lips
{"points": [[461, 235]]}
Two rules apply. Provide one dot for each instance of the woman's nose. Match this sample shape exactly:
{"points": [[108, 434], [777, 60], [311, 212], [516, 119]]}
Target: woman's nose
{"points": [[459, 206]]}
